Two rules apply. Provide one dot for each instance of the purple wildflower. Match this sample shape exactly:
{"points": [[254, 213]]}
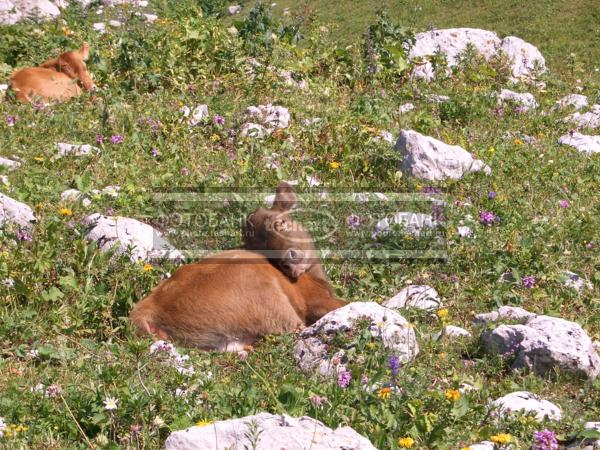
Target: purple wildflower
{"points": [[316, 400], [185, 171], [520, 109], [394, 364], [54, 390], [110, 212], [23, 235], [99, 139], [590, 245], [154, 152], [135, 429], [218, 120], [10, 121], [491, 195], [437, 213], [545, 440], [498, 111], [529, 281], [430, 190], [382, 93], [353, 221], [344, 378], [116, 139], [487, 218], [564, 203], [364, 379]]}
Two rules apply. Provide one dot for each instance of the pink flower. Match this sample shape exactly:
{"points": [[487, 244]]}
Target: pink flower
{"points": [[116, 139], [344, 378], [564, 203]]}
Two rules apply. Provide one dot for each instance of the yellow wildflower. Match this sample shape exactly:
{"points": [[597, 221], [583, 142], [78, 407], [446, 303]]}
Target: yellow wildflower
{"points": [[384, 393], [39, 158], [203, 422], [334, 165], [406, 442], [65, 212], [67, 32], [502, 438], [418, 187], [492, 150], [465, 448], [371, 345], [215, 137], [442, 313], [147, 267], [518, 142], [452, 394]]}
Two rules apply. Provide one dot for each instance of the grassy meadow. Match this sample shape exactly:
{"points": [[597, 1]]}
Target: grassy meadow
{"points": [[66, 345]]}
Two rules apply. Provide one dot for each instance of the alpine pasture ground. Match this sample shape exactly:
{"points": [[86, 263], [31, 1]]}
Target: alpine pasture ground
{"points": [[63, 317]]}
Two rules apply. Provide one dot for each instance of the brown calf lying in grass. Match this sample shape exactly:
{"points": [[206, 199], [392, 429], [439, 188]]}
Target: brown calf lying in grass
{"points": [[56, 79], [229, 300]]}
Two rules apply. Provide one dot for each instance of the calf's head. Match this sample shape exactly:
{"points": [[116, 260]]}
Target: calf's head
{"points": [[73, 65], [284, 241]]}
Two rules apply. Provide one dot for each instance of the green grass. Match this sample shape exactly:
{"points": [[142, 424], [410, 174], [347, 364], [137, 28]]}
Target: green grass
{"points": [[70, 302], [558, 28]]}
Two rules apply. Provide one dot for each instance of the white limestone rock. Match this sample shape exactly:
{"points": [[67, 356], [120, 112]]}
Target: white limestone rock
{"points": [[196, 116], [576, 101], [525, 59], [384, 136], [582, 142], [464, 231], [65, 149], [430, 159], [415, 296], [234, 9], [73, 195], [271, 116], [544, 344], [512, 313], [100, 27], [275, 432], [453, 332], [312, 353], [406, 107], [13, 11], [13, 211], [526, 402], [253, 130], [483, 445], [9, 163], [124, 233], [590, 119], [413, 223], [453, 42], [526, 100]]}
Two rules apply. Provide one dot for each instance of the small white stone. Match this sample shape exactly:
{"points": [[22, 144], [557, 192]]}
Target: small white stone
{"points": [[583, 143], [14, 211], [99, 26], [9, 163], [453, 332], [430, 159], [590, 119], [115, 23], [419, 296], [276, 432], [576, 101], [406, 107], [526, 402], [234, 9], [464, 231], [65, 149], [526, 100]]}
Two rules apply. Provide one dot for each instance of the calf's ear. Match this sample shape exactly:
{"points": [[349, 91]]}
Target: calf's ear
{"points": [[84, 51], [285, 197]]}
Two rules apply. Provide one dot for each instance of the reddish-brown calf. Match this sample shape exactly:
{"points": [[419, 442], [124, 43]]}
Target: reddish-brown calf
{"points": [[56, 79]]}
